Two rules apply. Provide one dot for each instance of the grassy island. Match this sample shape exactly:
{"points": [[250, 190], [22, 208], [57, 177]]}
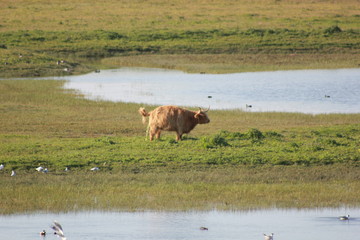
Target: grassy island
{"points": [[240, 160]]}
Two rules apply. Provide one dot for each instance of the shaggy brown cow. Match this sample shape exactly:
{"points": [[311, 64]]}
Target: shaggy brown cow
{"points": [[172, 118]]}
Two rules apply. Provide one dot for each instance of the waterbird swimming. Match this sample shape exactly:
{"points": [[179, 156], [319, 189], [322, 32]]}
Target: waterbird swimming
{"points": [[204, 228], [268, 237], [58, 230], [43, 233], [347, 217]]}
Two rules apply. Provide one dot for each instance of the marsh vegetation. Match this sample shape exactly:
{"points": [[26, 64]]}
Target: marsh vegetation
{"points": [[241, 160], [220, 36], [228, 164]]}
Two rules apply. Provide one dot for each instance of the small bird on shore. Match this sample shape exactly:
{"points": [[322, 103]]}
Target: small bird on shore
{"points": [[43, 233], [268, 237], [13, 173], [39, 169], [58, 230], [95, 169], [347, 217], [2, 166]]}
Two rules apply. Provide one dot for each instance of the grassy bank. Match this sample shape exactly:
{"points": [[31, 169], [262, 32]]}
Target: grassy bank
{"points": [[298, 35], [234, 63], [227, 164], [235, 188]]}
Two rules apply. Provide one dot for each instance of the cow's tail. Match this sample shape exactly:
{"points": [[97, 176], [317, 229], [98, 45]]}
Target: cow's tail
{"points": [[144, 114]]}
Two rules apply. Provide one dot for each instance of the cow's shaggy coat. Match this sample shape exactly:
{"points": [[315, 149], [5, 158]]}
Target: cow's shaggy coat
{"points": [[172, 118]]}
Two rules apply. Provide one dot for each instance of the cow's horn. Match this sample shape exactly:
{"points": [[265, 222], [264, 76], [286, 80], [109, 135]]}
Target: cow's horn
{"points": [[204, 110]]}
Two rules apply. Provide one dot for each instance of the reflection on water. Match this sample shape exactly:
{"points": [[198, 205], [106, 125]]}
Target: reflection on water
{"points": [[225, 225], [307, 91]]}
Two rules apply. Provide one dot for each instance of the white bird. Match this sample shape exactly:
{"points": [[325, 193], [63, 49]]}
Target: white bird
{"points": [[66, 169], [13, 173], [58, 230], [268, 237], [347, 217], [2, 166], [39, 169], [95, 169]]}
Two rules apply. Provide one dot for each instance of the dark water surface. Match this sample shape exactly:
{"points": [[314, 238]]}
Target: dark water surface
{"points": [[306, 91], [289, 224]]}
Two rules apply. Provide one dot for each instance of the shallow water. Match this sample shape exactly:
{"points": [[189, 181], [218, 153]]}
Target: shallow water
{"points": [[283, 91], [225, 225]]}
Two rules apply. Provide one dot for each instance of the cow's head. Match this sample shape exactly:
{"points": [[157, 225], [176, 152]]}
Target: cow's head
{"points": [[201, 116]]}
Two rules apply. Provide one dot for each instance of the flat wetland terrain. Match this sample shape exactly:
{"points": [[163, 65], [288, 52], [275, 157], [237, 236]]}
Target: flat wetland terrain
{"points": [[241, 160], [195, 36]]}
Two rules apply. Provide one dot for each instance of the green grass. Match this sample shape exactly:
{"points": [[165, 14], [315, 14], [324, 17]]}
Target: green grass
{"points": [[306, 148], [299, 35], [189, 189], [241, 160], [227, 164]]}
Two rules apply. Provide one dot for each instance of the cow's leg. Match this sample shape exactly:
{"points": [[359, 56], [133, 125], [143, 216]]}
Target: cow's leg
{"points": [[152, 132], [178, 136], [157, 135]]}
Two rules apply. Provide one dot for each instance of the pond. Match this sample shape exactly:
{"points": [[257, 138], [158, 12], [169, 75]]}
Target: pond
{"points": [[225, 225], [306, 91]]}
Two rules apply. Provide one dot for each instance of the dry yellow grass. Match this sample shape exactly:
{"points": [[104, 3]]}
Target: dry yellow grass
{"points": [[138, 15], [43, 30]]}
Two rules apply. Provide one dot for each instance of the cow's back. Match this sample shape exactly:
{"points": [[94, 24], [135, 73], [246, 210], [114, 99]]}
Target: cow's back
{"points": [[167, 118]]}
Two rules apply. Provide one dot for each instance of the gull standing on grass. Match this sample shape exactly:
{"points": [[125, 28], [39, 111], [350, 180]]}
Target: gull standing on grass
{"points": [[2, 166], [39, 169], [13, 173], [58, 230]]}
